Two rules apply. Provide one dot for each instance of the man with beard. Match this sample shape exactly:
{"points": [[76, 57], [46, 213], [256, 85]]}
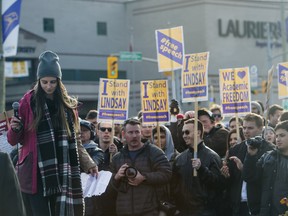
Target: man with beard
{"points": [[138, 169]]}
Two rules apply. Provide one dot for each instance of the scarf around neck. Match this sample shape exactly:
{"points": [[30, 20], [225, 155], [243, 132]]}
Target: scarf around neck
{"points": [[59, 165]]}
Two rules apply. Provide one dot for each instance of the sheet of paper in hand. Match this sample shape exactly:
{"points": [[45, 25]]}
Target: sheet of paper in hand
{"points": [[93, 186]]}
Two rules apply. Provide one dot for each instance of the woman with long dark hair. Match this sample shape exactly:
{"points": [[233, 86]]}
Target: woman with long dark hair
{"points": [[48, 130]]}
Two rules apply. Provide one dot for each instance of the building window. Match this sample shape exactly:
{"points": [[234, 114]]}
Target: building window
{"points": [[102, 28], [48, 25]]}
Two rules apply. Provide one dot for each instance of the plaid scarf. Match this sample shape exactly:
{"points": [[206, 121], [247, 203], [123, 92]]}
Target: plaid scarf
{"points": [[59, 166]]}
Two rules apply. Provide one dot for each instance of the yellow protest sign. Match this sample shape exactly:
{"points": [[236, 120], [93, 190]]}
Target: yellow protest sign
{"points": [[282, 80], [235, 91], [113, 100], [194, 77], [170, 48], [155, 101]]}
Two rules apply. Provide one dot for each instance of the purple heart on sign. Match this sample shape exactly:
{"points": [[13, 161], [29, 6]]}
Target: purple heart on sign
{"points": [[241, 74]]}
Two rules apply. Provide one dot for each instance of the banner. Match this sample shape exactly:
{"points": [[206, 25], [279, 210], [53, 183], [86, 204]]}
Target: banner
{"points": [[5, 118], [16, 69], [155, 101], [170, 48], [10, 26], [113, 100], [235, 91], [282, 80], [194, 77]]}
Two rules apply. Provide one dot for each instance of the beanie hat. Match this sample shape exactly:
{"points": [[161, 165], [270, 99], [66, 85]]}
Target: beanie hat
{"points": [[87, 125], [180, 116], [49, 65]]}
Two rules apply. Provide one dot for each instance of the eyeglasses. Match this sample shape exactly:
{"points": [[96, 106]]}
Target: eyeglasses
{"points": [[186, 132], [103, 129], [216, 115]]}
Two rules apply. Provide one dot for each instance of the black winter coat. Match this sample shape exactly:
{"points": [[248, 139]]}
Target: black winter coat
{"points": [[264, 172], [11, 203], [216, 139], [150, 162], [236, 178], [196, 195]]}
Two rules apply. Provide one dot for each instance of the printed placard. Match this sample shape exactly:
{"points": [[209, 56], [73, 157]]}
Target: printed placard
{"points": [[5, 118], [235, 91], [282, 80], [155, 101], [113, 100], [170, 48], [194, 77]]}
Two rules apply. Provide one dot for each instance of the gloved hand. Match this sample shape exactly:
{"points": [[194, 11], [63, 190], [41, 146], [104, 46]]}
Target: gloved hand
{"points": [[174, 107]]}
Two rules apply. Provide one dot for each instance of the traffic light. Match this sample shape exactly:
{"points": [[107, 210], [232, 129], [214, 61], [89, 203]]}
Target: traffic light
{"points": [[112, 67], [264, 86]]}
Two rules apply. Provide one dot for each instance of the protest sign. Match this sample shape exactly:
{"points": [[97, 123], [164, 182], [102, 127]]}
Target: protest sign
{"points": [[282, 80], [155, 101], [235, 91], [195, 77], [5, 118], [113, 100], [170, 48]]}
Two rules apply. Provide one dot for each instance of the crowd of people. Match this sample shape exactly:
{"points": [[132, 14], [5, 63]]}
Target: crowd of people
{"points": [[239, 168]]}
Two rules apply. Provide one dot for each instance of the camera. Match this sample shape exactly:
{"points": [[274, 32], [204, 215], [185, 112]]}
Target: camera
{"points": [[130, 172], [254, 142]]}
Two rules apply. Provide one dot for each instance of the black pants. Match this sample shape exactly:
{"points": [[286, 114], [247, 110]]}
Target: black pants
{"points": [[37, 204], [244, 211]]}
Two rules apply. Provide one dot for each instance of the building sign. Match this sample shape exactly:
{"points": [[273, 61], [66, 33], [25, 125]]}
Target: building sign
{"points": [[16, 69], [258, 30]]}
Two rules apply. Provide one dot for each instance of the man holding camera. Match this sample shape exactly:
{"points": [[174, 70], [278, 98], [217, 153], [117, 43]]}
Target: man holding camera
{"points": [[244, 196], [271, 172], [137, 170]]}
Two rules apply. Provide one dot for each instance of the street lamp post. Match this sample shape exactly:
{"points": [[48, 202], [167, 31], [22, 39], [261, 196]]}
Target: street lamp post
{"points": [[2, 75], [283, 30]]}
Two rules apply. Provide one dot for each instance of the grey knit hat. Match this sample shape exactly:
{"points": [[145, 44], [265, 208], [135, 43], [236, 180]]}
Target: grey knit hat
{"points": [[49, 65]]}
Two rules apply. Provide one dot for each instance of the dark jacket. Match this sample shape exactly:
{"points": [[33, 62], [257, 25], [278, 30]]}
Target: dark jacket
{"points": [[150, 162], [235, 181], [95, 153], [176, 132], [263, 172], [236, 178], [196, 195], [11, 203], [216, 139]]}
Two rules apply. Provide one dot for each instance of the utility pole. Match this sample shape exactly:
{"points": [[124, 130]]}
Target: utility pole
{"points": [[283, 30], [2, 74]]}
